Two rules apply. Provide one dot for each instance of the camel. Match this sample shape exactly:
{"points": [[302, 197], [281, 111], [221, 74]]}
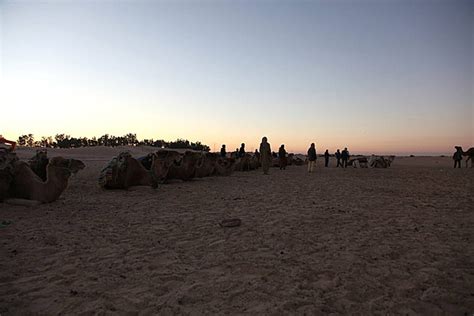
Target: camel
{"points": [[207, 165], [470, 155], [359, 162], [185, 169], [27, 185], [224, 166], [163, 160], [170, 164], [295, 160], [380, 161], [238, 166], [290, 159], [254, 162], [246, 163], [124, 171], [275, 162]]}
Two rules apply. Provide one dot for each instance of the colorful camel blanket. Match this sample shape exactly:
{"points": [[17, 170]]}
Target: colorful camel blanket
{"points": [[112, 173]]}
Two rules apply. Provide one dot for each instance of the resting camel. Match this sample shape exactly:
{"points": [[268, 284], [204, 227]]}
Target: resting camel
{"points": [[294, 160], [275, 162], [470, 155], [162, 161], [124, 171], [224, 166], [27, 185], [185, 168], [290, 159], [359, 162], [380, 161], [207, 165], [246, 163]]}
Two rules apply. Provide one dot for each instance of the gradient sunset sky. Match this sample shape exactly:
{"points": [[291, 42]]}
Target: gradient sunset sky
{"points": [[382, 76]]}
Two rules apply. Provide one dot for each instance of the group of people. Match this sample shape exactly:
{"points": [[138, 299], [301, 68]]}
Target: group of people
{"points": [[265, 155], [341, 157]]}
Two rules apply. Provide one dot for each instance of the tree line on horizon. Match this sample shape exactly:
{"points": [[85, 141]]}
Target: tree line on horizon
{"points": [[130, 139]]}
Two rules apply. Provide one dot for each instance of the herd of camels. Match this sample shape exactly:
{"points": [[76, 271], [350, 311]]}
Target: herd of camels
{"points": [[43, 180]]}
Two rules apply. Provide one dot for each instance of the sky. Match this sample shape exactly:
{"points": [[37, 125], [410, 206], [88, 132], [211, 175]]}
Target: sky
{"points": [[382, 76]]}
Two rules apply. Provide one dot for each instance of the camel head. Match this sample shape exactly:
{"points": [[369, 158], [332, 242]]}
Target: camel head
{"points": [[71, 165]]}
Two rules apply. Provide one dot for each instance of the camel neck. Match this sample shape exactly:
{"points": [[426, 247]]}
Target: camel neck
{"points": [[56, 182]]}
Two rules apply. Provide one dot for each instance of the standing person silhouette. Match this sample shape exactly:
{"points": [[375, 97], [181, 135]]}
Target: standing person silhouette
{"points": [[312, 157], [326, 158], [265, 155], [338, 158], [457, 157], [345, 157], [282, 157], [242, 150], [223, 152]]}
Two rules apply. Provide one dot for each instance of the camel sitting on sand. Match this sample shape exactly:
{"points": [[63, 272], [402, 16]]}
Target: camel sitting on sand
{"points": [[291, 159], [191, 165], [358, 162], [27, 185], [162, 162], [207, 165], [470, 155], [380, 161], [185, 168], [124, 171], [246, 163], [295, 160], [275, 162], [224, 166]]}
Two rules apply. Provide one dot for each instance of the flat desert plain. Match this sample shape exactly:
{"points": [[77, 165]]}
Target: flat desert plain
{"points": [[354, 241]]}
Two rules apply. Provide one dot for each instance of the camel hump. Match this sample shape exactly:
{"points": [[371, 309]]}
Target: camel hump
{"points": [[112, 173], [39, 162]]}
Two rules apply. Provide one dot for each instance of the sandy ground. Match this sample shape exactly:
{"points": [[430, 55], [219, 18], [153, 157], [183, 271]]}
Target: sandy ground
{"points": [[354, 241]]}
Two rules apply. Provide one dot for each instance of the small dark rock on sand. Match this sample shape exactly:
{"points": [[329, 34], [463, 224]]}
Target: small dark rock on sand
{"points": [[234, 222]]}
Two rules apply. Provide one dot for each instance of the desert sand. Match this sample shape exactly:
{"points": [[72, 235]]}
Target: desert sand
{"points": [[353, 241]]}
